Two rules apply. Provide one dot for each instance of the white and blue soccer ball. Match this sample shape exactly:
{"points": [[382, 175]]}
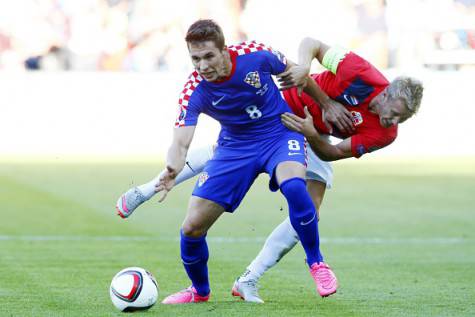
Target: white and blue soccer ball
{"points": [[133, 289]]}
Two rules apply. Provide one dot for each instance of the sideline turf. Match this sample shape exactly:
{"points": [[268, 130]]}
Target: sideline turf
{"points": [[400, 236]]}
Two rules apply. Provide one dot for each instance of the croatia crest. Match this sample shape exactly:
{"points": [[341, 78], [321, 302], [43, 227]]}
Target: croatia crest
{"points": [[252, 78], [202, 179]]}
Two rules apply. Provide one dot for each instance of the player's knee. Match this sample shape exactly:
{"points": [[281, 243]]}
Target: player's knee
{"points": [[191, 230]]}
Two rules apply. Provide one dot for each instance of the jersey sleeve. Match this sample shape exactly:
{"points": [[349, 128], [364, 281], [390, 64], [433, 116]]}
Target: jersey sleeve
{"points": [[333, 57], [278, 62], [367, 143], [187, 115], [189, 103], [347, 66], [352, 79], [275, 62]]}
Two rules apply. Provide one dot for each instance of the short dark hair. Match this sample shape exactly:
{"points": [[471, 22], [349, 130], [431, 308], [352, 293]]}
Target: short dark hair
{"points": [[205, 30]]}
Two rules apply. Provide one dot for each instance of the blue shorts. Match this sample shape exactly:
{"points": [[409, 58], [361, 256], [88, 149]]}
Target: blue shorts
{"points": [[235, 165]]}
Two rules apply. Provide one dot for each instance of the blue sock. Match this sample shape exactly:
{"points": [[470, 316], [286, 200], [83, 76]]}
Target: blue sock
{"points": [[303, 217], [194, 254]]}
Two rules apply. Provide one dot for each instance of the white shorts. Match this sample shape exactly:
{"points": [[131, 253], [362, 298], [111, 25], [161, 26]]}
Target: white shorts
{"points": [[317, 169]]}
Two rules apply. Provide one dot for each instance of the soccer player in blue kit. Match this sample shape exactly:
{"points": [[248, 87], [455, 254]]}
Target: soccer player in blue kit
{"points": [[234, 86]]}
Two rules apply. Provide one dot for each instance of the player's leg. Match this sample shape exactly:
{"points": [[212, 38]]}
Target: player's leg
{"points": [[303, 218], [202, 213], [306, 226], [222, 185], [134, 197], [316, 190], [324, 277], [302, 213], [281, 240]]}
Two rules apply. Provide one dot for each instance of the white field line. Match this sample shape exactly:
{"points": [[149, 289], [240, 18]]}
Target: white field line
{"points": [[336, 240]]}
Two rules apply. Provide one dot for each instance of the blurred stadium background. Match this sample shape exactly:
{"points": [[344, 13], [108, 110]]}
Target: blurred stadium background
{"points": [[97, 77], [93, 84]]}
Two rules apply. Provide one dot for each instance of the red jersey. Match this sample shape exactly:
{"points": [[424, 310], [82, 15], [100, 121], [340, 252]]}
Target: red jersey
{"points": [[354, 85]]}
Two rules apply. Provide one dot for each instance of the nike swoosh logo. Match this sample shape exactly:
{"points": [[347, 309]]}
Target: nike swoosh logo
{"points": [[295, 153], [306, 223], [191, 263], [217, 101], [350, 100]]}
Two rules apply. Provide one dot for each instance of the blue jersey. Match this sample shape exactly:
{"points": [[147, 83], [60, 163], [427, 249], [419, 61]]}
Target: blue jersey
{"points": [[248, 104]]}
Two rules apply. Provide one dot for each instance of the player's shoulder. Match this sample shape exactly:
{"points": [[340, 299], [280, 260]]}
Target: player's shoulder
{"points": [[193, 82], [355, 64], [257, 53], [249, 47], [189, 88]]}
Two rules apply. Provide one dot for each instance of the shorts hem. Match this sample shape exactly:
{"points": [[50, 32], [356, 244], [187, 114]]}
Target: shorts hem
{"points": [[226, 206]]}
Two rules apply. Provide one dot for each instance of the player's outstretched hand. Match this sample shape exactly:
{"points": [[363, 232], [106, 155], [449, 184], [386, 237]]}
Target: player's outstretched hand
{"points": [[295, 76], [166, 182], [335, 113], [302, 125]]}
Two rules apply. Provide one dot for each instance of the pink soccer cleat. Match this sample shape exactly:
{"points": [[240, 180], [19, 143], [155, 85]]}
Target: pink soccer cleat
{"points": [[324, 278], [188, 295]]}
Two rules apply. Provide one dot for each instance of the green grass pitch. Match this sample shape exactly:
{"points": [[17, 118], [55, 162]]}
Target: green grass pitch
{"points": [[400, 235]]}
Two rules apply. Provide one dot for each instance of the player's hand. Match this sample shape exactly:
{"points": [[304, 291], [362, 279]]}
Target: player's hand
{"points": [[301, 125], [166, 182], [295, 76], [335, 113]]}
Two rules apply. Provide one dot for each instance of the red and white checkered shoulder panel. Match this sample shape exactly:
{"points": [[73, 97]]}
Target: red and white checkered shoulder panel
{"points": [[249, 47], [193, 81]]}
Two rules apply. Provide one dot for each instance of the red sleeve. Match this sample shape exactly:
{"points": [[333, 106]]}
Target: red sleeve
{"points": [[356, 81], [353, 66], [363, 143]]}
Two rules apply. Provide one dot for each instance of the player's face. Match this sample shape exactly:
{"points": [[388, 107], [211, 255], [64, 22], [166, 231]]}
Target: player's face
{"points": [[391, 111], [210, 62]]}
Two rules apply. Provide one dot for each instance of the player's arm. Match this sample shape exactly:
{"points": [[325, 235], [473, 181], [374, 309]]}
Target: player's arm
{"points": [[310, 49], [182, 138], [329, 152], [298, 75], [323, 149], [176, 158], [333, 112]]}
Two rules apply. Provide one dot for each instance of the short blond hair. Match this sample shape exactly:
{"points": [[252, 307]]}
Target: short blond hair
{"points": [[409, 90]]}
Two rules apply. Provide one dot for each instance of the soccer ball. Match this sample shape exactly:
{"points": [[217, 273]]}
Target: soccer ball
{"points": [[133, 289]]}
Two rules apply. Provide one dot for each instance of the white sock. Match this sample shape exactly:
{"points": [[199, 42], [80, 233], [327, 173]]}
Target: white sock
{"points": [[278, 243], [194, 164]]}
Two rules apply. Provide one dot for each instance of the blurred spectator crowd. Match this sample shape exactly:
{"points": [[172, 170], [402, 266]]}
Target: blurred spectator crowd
{"points": [[147, 35]]}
